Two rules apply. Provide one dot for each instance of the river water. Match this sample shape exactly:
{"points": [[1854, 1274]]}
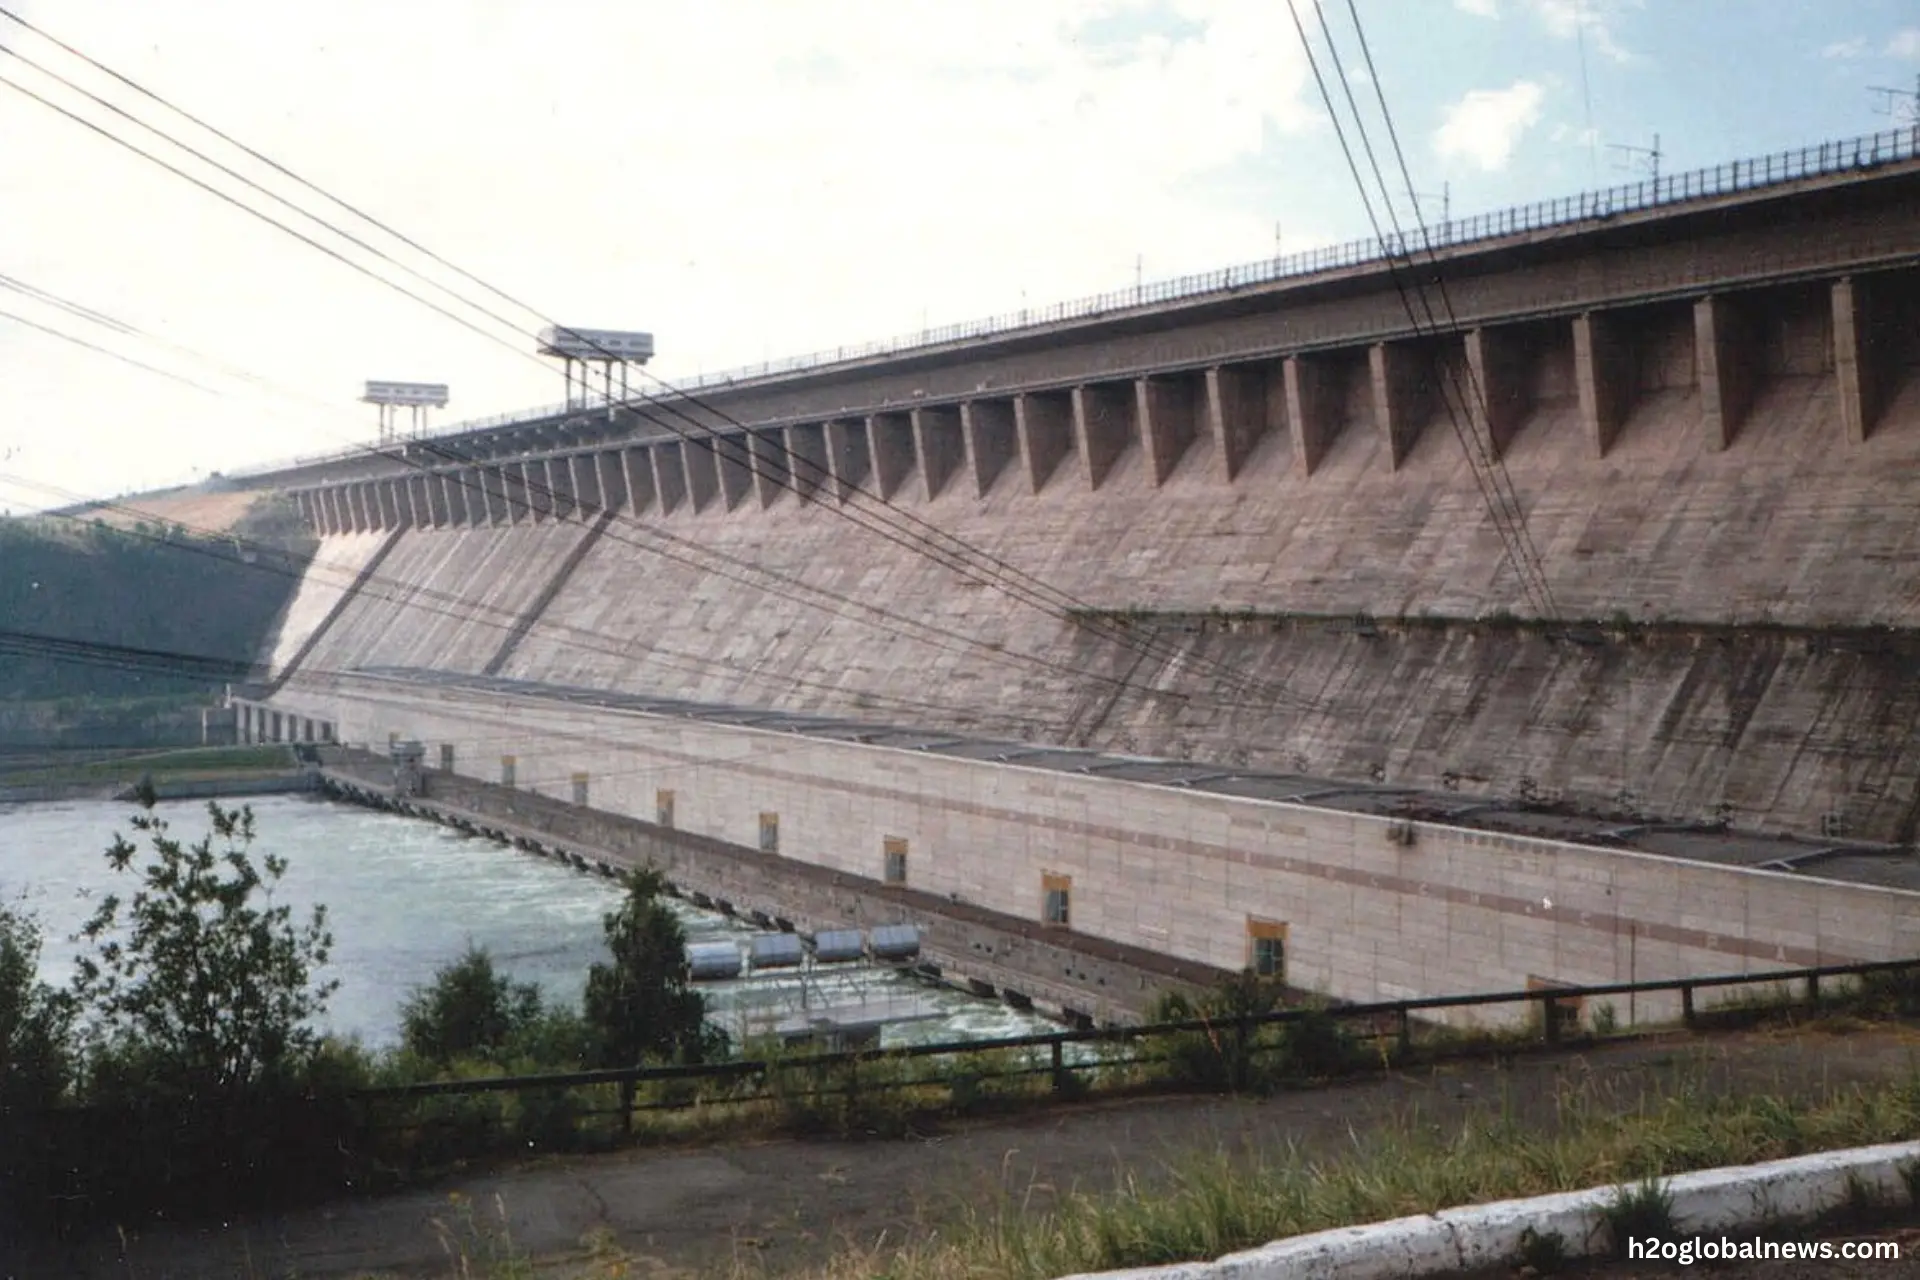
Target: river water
{"points": [[405, 896]]}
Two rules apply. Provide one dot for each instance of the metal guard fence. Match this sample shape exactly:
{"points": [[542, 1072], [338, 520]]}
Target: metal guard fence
{"points": [[1866, 152], [1380, 1020]]}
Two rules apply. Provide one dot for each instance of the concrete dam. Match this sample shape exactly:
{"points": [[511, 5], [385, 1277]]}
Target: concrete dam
{"points": [[1540, 609]]}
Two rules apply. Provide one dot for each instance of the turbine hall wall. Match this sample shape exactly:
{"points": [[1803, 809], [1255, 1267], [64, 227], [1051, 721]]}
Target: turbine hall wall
{"points": [[1367, 916]]}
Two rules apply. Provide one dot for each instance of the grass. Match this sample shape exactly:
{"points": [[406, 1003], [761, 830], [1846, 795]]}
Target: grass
{"points": [[1207, 1201], [883, 1098], [1216, 1201], [888, 1098], [1638, 1211], [187, 762]]}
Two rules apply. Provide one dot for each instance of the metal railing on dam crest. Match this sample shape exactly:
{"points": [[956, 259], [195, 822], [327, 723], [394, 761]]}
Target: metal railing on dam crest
{"points": [[1825, 159]]}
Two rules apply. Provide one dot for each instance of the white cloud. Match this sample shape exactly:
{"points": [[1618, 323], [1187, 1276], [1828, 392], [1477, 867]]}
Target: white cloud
{"points": [[1854, 48], [746, 180], [1905, 44], [1479, 8], [1591, 19], [1486, 124]]}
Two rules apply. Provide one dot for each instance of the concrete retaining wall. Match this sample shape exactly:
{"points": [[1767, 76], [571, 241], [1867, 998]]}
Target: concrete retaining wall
{"points": [[214, 788], [1729, 1205]]}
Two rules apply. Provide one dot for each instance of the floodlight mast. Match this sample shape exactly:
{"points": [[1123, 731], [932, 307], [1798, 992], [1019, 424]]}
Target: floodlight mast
{"points": [[607, 348], [416, 396]]}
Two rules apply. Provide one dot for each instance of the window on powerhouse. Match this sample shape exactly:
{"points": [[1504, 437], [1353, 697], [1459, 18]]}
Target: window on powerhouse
{"points": [[1056, 900], [1267, 948]]}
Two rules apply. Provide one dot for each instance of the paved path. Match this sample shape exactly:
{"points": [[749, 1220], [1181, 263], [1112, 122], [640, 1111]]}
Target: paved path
{"points": [[786, 1203]]}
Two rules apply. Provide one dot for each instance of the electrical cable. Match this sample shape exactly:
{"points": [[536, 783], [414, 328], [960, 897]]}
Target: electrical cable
{"points": [[1586, 93], [1500, 526], [995, 654], [95, 347], [150, 661], [1502, 506], [416, 596], [1499, 476], [1085, 619]]}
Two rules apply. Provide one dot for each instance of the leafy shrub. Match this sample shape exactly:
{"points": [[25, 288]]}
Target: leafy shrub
{"points": [[468, 1011], [1230, 1054]]}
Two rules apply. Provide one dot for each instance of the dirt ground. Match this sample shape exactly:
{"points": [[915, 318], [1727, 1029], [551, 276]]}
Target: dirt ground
{"points": [[783, 1204], [204, 512]]}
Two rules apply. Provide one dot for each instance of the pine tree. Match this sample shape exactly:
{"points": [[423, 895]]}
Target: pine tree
{"points": [[640, 1007]]}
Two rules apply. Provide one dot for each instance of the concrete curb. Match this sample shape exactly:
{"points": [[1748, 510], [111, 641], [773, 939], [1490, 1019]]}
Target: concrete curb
{"points": [[1743, 1197]]}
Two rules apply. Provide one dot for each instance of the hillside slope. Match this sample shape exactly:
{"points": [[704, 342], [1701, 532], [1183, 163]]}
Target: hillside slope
{"points": [[170, 592]]}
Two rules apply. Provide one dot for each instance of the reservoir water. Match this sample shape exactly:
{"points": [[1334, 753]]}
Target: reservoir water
{"points": [[405, 896]]}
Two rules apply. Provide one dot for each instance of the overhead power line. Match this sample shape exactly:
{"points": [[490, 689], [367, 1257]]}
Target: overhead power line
{"points": [[100, 350], [1484, 479], [836, 602], [1499, 480], [948, 550], [382, 588]]}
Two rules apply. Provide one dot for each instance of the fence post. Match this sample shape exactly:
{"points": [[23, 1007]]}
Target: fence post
{"points": [[1550, 1010], [1686, 1006], [1406, 1032], [1059, 1069], [1813, 988]]}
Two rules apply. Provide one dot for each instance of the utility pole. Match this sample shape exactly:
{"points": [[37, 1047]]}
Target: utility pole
{"points": [[1445, 197], [1902, 104], [1637, 156]]}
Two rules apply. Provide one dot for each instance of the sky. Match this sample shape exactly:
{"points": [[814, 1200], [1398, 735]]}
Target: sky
{"points": [[752, 179]]}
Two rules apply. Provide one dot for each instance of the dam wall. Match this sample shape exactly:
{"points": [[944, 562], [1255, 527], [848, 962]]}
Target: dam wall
{"points": [[1365, 906], [1581, 616], [1703, 575]]}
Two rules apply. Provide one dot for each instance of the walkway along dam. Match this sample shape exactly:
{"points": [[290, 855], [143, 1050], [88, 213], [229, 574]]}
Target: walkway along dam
{"points": [[1539, 609]]}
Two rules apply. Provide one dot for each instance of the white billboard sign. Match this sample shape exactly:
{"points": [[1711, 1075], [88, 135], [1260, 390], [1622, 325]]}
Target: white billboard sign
{"points": [[596, 344], [431, 394]]}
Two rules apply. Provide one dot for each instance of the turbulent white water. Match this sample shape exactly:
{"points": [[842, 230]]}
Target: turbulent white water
{"points": [[404, 897]]}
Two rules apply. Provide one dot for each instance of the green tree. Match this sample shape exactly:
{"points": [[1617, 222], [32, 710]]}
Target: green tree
{"points": [[640, 1006], [35, 1022], [468, 1011], [36, 1059], [201, 986]]}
